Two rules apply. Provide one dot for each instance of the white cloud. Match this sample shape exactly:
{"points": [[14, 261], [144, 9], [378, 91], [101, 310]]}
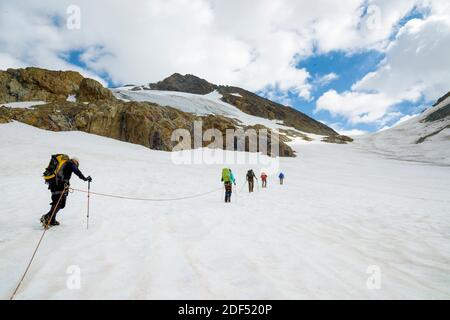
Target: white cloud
{"points": [[339, 128], [416, 62], [415, 67], [255, 44], [352, 132], [400, 121], [249, 43], [6, 61], [326, 79], [355, 106]]}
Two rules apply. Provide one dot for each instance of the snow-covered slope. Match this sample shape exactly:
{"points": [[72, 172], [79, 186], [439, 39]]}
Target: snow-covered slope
{"points": [[209, 104], [418, 139], [314, 237]]}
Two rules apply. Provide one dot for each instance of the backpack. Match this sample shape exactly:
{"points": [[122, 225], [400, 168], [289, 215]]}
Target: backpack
{"points": [[250, 174], [55, 168], [226, 176]]}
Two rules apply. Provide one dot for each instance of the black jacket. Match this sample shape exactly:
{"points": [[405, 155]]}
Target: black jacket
{"points": [[251, 175], [67, 171]]}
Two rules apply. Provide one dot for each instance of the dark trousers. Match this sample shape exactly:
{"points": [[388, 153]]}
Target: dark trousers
{"points": [[251, 185], [57, 204], [281, 180], [264, 183], [228, 191], [227, 196]]}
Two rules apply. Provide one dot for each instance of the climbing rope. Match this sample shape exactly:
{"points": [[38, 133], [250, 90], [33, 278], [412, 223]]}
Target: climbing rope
{"points": [[38, 245], [71, 190], [145, 199]]}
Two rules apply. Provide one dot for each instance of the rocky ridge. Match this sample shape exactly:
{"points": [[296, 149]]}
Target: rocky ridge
{"points": [[95, 110]]}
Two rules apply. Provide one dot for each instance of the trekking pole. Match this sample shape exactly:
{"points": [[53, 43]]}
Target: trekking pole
{"points": [[88, 205]]}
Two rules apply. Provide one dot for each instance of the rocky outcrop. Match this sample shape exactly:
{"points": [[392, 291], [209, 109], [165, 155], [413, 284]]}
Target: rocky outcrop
{"points": [[33, 84], [91, 90], [97, 111], [339, 139], [141, 123], [439, 114], [187, 83], [443, 98], [253, 104], [246, 101]]}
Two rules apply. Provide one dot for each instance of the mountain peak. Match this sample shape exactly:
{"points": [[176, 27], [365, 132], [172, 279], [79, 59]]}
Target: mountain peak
{"points": [[184, 83]]}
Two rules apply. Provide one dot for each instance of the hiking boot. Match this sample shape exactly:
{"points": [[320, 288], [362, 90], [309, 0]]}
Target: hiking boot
{"points": [[44, 220], [54, 223]]}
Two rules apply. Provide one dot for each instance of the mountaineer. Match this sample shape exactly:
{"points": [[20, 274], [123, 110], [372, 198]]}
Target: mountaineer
{"points": [[57, 176], [250, 179], [281, 177], [228, 181], [264, 179]]}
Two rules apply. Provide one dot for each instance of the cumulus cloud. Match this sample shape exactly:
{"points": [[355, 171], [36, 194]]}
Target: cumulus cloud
{"points": [[7, 61], [251, 43], [256, 44], [414, 69], [414, 62], [339, 128], [326, 79], [354, 106]]}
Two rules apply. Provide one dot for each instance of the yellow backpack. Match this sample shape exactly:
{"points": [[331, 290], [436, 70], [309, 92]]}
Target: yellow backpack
{"points": [[54, 169]]}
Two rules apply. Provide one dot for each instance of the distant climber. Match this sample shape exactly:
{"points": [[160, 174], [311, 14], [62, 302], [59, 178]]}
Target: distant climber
{"points": [[264, 179], [228, 191], [228, 181], [281, 177], [250, 179], [57, 176]]}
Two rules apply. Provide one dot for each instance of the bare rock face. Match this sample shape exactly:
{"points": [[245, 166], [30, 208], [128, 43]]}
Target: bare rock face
{"points": [[97, 111], [253, 104], [91, 90], [339, 139], [187, 83], [141, 123], [441, 99], [32, 84], [439, 114]]}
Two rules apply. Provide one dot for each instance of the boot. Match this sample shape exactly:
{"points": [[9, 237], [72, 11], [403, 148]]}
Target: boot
{"points": [[54, 223], [45, 221]]}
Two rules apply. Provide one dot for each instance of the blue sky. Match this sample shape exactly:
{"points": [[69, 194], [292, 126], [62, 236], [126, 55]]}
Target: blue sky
{"points": [[401, 44], [349, 68]]}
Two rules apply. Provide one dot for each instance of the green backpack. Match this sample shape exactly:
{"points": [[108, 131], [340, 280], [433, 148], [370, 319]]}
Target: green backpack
{"points": [[226, 175]]}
